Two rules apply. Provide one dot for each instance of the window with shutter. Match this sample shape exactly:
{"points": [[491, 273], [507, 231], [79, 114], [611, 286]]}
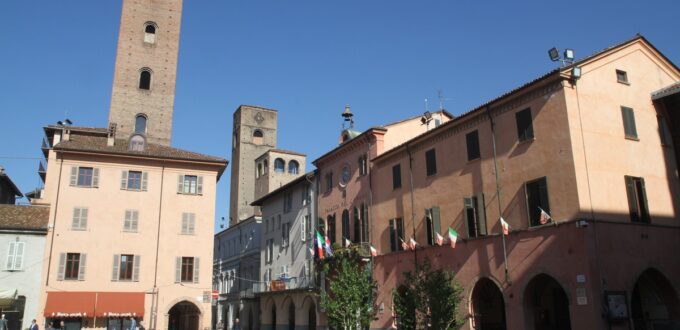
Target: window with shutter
{"points": [[188, 223], [303, 228], [537, 199], [637, 199], [629, 123], [190, 185], [664, 133], [62, 267], [396, 176], [178, 269], [84, 177], [126, 267], [131, 221], [9, 264], [116, 267], [187, 270], [72, 267], [79, 219], [136, 266], [134, 180], [196, 269], [82, 266]]}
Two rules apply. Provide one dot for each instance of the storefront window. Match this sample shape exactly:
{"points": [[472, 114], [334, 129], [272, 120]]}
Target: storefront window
{"points": [[118, 323]]}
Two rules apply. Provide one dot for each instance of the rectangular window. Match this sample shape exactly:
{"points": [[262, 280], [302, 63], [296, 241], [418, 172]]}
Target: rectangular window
{"points": [[637, 199], [331, 228], [278, 222], [15, 256], [187, 269], [472, 141], [190, 185], [79, 219], [396, 176], [304, 227], [363, 164], [537, 199], [133, 180], [131, 221], [663, 131], [271, 250], [287, 201], [525, 126], [72, 266], [188, 223], [84, 176], [396, 234], [475, 215], [431, 162], [629, 123], [433, 222], [329, 181], [622, 77], [125, 267], [306, 197], [284, 235]]}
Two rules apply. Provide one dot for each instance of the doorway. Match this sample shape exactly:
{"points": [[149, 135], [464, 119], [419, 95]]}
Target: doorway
{"points": [[546, 305], [183, 316], [654, 303], [488, 307]]}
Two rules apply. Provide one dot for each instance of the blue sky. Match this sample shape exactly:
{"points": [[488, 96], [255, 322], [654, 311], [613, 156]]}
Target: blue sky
{"points": [[305, 58]]}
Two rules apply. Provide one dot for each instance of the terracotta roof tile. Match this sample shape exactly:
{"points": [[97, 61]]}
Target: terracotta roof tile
{"points": [[24, 217]]}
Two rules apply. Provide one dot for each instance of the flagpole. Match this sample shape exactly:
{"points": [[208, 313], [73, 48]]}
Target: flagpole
{"points": [[498, 192], [413, 210]]}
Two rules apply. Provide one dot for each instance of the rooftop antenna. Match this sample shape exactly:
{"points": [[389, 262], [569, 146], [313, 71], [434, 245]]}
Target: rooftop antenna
{"points": [[348, 117], [442, 99], [222, 223]]}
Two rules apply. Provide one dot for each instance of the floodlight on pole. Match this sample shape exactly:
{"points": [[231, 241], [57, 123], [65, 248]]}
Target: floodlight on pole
{"points": [[575, 73], [554, 54], [569, 55]]}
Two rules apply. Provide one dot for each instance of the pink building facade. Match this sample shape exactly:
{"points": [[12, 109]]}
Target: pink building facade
{"points": [[595, 148]]}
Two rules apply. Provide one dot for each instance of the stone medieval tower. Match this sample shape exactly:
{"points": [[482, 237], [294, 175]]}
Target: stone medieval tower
{"points": [[143, 93], [254, 134]]}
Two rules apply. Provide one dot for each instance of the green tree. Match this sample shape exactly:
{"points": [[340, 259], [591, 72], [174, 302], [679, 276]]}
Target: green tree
{"points": [[350, 302], [428, 299]]}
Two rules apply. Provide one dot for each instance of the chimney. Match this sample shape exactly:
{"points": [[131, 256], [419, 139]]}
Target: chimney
{"points": [[66, 135], [110, 141]]}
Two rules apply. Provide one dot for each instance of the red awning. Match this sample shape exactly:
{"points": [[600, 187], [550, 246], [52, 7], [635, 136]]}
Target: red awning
{"points": [[120, 304], [70, 304]]}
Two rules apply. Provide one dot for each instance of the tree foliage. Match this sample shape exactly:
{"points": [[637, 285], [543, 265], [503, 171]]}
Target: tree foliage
{"points": [[350, 302], [428, 299]]}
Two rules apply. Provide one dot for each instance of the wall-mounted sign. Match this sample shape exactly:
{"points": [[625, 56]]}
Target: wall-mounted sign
{"points": [[278, 285]]}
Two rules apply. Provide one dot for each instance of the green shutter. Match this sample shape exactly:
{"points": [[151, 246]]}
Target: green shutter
{"points": [[632, 198], [481, 214], [629, 122], [436, 220], [644, 213]]}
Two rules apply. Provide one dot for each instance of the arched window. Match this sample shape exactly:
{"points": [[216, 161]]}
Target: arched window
{"points": [[293, 167], [140, 124], [258, 137], [150, 32], [279, 165], [145, 79]]}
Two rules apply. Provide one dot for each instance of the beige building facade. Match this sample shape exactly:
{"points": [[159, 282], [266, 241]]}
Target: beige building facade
{"points": [[131, 218]]}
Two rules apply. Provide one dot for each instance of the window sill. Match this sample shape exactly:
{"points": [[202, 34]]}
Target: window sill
{"points": [[623, 82], [475, 160], [188, 234], [431, 175], [78, 229], [529, 140], [632, 138], [135, 190], [189, 194], [77, 186], [131, 231]]}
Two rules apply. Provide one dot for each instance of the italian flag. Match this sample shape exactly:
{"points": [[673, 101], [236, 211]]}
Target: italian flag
{"points": [[347, 242], [319, 244], [440, 239], [453, 237], [506, 227], [412, 244], [374, 252]]}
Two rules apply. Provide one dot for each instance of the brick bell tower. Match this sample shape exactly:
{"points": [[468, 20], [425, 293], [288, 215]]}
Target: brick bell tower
{"points": [[143, 93]]}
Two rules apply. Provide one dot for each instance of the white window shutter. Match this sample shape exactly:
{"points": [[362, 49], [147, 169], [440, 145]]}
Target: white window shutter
{"points": [[75, 224], [95, 177], [185, 223], [180, 184], [192, 223], [19, 256], [83, 218], [9, 265], [123, 180], [178, 269], [74, 175], [197, 266], [135, 268], [82, 266], [116, 264], [127, 224], [62, 267], [145, 179], [303, 226], [135, 220], [199, 185]]}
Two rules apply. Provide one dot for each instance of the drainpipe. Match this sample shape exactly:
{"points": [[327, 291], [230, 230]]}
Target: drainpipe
{"points": [[54, 220], [154, 293], [413, 210], [498, 192]]}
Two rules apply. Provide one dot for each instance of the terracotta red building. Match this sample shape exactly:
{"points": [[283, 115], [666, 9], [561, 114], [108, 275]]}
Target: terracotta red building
{"points": [[593, 144]]}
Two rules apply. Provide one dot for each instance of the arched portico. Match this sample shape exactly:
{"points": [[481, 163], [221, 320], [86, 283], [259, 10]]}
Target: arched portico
{"points": [[184, 315], [654, 302], [488, 306], [546, 306]]}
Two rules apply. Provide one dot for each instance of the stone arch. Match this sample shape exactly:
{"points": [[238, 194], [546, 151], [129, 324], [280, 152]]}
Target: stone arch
{"points": [[487, 305], [309, 311], [145, 75], [184, 313], [654, 301], [279, 165], [546, 304]]}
